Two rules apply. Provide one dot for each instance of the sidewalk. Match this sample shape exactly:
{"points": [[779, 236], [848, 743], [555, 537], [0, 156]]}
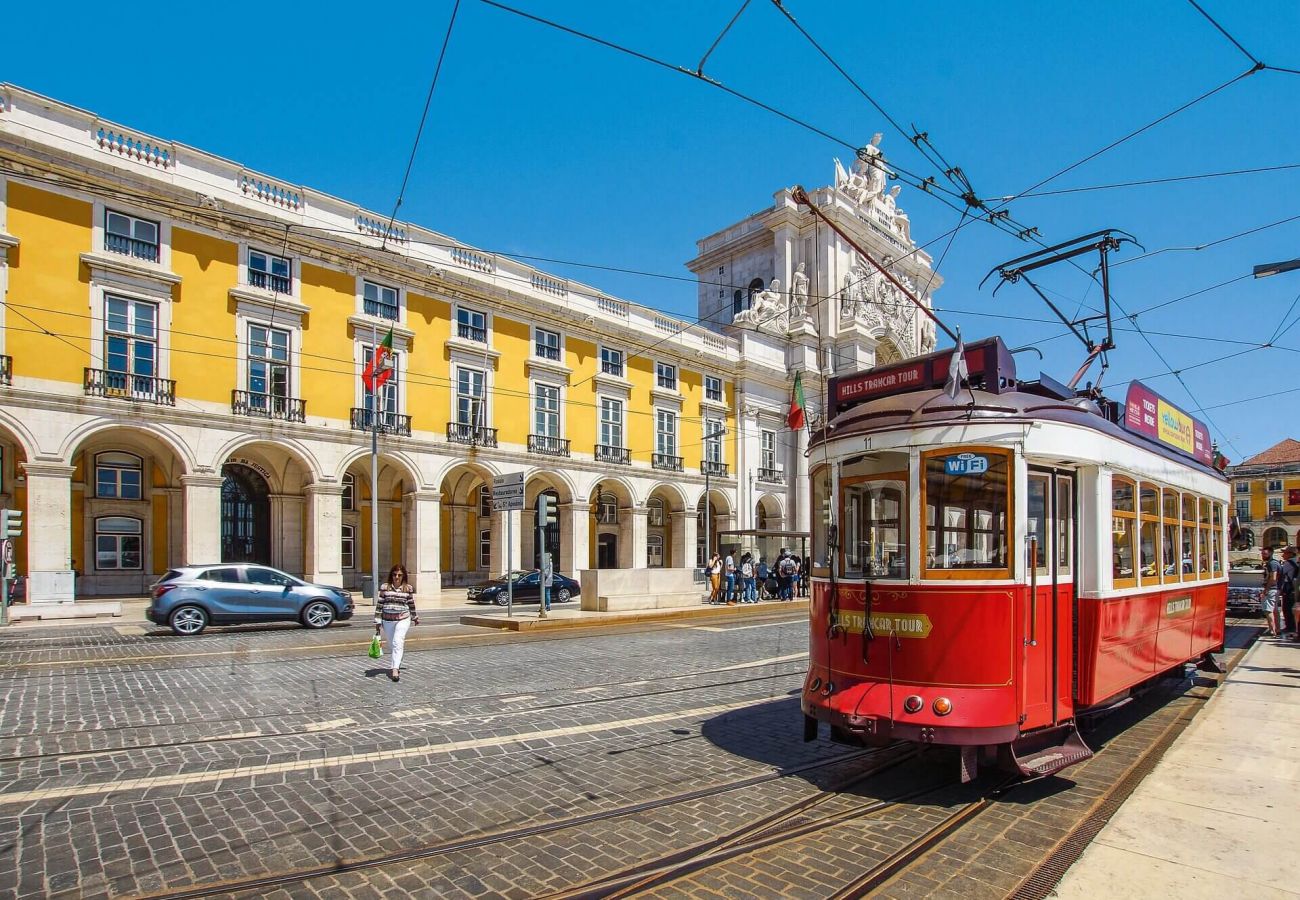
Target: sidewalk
{"points": [[1216, 817], [525, 617]]}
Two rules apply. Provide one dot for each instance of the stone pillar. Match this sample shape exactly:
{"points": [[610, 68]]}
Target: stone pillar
{"points": [[287, 545], [504, 536], [324, 555], [633, 529], [422, 534], [528, 537], [201, 528], [800, 494], [575, 540], [460, 540], [48, 525], [685, 534]]}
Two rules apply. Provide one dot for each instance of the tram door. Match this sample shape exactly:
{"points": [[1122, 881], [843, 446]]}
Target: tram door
{"points": [[1047, 622]]}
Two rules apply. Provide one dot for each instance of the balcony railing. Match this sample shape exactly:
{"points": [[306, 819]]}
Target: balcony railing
{"points": [[666, 461], [775, 476], [546, 351], [128, 246], [471, 332], [474, 435], [144, 388], [547, 445], [268, 406], [378, 310], [280, 284], [619, 456], [713, 467], [387, 422], [609, 367], [6, 370]]}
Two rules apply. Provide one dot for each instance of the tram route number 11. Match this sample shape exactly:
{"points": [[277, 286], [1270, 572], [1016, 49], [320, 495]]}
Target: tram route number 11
{"points": [[965, 464]]}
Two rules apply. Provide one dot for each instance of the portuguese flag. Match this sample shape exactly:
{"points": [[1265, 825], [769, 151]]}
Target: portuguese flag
{"points": [[380, 369], [796, 418]]}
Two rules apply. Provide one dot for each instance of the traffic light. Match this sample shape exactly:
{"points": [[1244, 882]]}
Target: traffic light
{"points": [[548, 512], [11, 523]]}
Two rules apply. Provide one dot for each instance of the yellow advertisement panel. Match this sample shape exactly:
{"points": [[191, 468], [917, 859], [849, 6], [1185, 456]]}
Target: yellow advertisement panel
{"points": [[1175, 427]]}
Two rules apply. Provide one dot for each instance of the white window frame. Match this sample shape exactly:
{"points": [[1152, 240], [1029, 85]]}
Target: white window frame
{"points": [[541, 338], [665, 376], [767, 449], [485, 548], [1243, 509], [484, 401], [654, 551], [713, 446], [271, 258], [663, 416], [606, 352], [250, 360], [484, 502], [1243, 487], [541, 388], [1274, 505], [348, 547], [604, 427], [654, 513], [470, 312], [1274, 485], [119, 535], [133, 304], [349, 496], [606, 509], [394, 387], [380, 287], [134, 219], [714, 390], [118, 469]]}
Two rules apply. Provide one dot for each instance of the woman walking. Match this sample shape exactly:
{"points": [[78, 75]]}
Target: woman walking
{"points": [[394, 615]]}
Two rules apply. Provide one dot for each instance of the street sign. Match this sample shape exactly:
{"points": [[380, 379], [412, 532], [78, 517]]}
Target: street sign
{"points": [[501, 492], [508, 503], [508, 478]]}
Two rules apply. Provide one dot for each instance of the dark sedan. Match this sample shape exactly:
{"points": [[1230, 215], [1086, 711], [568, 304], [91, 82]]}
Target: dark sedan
{"points": [[527, 589]]}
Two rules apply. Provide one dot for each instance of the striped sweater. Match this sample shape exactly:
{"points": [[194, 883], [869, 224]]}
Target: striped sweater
{"points": [[395, 604]]}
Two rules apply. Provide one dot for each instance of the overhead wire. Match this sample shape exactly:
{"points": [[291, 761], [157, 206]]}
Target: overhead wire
{"points": [[1198, 247], [1145, 182]]}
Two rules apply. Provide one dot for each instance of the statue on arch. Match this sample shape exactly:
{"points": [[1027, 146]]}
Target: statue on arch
{"points": [[767, 307], [799, 295]]}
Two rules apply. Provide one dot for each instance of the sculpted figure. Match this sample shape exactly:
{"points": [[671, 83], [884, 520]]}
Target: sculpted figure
{"points": [[928, 337], [767, 309], [799, 294]]}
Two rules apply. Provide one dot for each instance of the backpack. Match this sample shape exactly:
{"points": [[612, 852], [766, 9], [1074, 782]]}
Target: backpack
{"points": [[787, 567], [763, 572], [747, 569], [1286, 578]]}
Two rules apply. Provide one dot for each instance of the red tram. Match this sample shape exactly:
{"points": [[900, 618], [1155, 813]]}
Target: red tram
{"points": [[990, 566]]}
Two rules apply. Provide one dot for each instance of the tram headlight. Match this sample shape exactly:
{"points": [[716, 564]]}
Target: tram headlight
{"points": [[913, 704], [942, 706]]}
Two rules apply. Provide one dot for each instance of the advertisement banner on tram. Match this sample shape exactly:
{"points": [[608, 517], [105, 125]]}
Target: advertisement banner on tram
{"points": [[1148, 414]]}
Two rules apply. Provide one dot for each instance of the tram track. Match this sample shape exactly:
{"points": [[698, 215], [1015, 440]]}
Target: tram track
{"points": [[889, 757], [403, 723]]}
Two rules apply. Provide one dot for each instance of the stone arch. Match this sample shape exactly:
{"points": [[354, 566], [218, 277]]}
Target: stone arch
{"points": [[1274, 537], [610, 537], [286, 465], [393, 465], [769, 513], [18, 432], [667, 528], [89, 431], [465, 555], [887, 352]]}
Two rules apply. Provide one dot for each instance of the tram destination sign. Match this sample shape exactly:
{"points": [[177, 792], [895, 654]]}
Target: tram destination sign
{"points": [[1152, 416], [988, 363]]}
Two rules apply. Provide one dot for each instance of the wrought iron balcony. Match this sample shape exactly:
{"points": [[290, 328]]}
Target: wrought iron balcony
{"points": [[385, 422], [471, 332], [379, 310], [474, 435], [128, 246], [775, 476], [6, 370], [144, 388], [609, 367], [713, 467], [268, 406], [277, 283], [666, 461], [546, 351], [619, 456], [548, 446]]}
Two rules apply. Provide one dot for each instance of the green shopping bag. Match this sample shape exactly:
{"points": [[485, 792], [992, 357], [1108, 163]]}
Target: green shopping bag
{"points": [[375, 651]]}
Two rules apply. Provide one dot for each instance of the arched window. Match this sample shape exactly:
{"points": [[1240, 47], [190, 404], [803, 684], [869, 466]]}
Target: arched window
{"points": [[654, 547], [1274, 537], [606, 509], [760, 518], [118, 476], [349, 492], [740, 301], [118, 543], [655, 519], [754, 287], [484, 502], [349, 547]]}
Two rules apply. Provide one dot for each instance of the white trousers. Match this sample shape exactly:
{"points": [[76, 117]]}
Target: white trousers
{"points": [[395, 641]]}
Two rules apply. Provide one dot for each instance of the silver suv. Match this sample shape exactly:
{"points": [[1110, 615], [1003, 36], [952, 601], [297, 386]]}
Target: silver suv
{"points": [[190, 598]]}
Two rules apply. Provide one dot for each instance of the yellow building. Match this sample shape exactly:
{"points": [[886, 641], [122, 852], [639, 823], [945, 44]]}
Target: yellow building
{"points": [[183, 345], [1266, 497]]}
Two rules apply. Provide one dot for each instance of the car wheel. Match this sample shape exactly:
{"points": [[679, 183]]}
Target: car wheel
{"points": [[563, 595], [188, 621], [503, 599], [318, 615]]}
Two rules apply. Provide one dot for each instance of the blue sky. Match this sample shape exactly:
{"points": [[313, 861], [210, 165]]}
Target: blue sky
{"points": [[541, 144]]}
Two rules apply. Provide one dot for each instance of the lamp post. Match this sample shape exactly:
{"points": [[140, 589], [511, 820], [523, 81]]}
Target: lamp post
{"points": [[708, 505], [1264, 270]]}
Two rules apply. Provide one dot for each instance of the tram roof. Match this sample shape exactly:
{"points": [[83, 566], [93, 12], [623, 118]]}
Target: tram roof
{"points": [[919, 400]]}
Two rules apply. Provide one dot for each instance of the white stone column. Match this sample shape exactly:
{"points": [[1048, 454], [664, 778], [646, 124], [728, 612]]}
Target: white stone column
{"points": [[287, 544], [575, 540], [633, 529], [685, 534], [201, 519], [324, 555], [528, 537], [461, 559], [800, 495], [504, 536], [422, 533], [48, 524]]}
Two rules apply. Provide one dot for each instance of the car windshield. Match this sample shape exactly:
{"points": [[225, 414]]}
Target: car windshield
{"points": [[514, 576]]}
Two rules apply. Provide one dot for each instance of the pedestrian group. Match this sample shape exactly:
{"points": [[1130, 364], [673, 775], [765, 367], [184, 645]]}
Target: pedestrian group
{"points": [[1279, 601], [753, 580]]}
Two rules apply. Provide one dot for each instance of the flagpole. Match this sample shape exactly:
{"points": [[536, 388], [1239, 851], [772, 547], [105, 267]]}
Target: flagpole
{"points": [[374, 470]]}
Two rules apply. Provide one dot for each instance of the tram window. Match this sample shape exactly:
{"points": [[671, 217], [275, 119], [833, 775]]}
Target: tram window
{"points": [[1189, 538], [1064, 521], [1169, 543], [1216, 539], [1123, 527], [1203, 539], [1149, 533], [875, 528], [967, 504], [821, 516], [1036, 509]]}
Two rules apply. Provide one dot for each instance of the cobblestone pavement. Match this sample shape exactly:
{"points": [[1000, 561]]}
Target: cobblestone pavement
{"points": [[139, 764]]}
